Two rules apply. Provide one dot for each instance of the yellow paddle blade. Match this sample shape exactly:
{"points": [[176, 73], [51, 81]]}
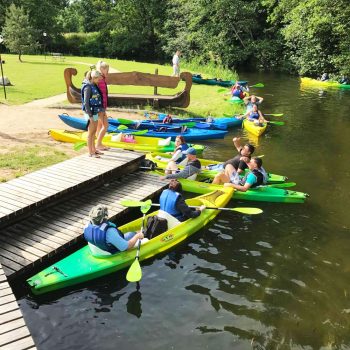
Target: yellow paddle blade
{"points": [[247, 210], [135, 273]]}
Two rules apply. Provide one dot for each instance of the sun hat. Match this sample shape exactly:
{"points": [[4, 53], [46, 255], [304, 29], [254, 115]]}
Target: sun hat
{"points": [[98, 214]]}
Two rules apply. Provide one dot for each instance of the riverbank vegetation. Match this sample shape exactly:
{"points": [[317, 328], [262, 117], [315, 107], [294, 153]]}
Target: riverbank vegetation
{"points": [[298, 36]]}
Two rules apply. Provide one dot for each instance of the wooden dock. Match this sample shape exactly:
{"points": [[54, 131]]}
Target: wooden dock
{"points": [[14, 334], [44, 212]]}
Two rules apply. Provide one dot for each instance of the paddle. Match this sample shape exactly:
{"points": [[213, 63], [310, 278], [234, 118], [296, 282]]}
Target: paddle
{"points": [[135, 273], [274, 114], [275, 123], [79, 145], [243, 210], [258, 85]]}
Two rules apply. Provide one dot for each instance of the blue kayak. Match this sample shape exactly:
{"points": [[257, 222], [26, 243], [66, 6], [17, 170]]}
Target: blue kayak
{"points": [[189, 134], [221, 123]]}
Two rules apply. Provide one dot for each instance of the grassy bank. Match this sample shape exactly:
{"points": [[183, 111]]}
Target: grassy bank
{"points": [[38, 78]]}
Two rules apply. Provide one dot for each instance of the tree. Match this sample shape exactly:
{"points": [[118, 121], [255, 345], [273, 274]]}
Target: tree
{"points": [[18, 33]]}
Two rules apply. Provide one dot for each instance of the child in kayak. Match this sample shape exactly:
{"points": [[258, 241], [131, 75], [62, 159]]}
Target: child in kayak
{"points": [[254, 115], [251, 100], [177, 156]]}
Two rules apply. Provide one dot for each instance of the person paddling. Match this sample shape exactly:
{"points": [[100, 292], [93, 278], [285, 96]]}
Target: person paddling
{"points": [[255, 115], [103, 236]]}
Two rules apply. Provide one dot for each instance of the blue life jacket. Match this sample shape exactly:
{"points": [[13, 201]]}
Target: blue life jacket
{"points": [[183, 147], [95, 100], [254, 115], [259, 178], [237, 93], [96, 235], [167, 202]]}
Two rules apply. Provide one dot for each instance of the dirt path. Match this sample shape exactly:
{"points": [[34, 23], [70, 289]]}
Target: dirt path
{"points": [[27, 125]]}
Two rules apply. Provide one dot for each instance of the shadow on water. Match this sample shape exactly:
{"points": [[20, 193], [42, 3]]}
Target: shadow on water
{"points": [[274, 281]]}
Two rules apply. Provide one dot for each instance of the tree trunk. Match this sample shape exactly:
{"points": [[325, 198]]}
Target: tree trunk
{"points": [[19, 56]]}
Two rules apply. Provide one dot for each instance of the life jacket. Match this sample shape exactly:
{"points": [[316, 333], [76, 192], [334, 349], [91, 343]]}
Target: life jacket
{"points": [[167, 202], [167, 119], [96, 235], [182, 147], [259, 178], [95, 100], [254, 115]]}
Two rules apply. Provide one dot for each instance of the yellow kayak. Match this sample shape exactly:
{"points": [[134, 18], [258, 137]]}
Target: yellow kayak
{"points": [[141, 143], [309, 82], [253, 128]]}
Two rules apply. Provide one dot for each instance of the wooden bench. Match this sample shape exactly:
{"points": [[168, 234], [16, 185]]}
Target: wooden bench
{"points": [[180, 99], [57, 56]]}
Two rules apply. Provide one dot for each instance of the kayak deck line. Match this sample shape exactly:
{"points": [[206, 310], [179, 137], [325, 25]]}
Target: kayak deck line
{"points": [[45, 211]]}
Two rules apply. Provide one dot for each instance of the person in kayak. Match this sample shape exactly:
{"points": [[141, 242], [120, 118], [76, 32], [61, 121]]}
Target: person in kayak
{"points": [[256, 176], [103, 236], [324, 77], [177, 156], [172, 202], [192, 167], [236, 162], [237, 91], [92, 105], [254, 115], [344, 80], [252, 100]]}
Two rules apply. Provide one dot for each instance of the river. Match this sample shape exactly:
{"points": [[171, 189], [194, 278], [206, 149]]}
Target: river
{"points": [[279, 280]]}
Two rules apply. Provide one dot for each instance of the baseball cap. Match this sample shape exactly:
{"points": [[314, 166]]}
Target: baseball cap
{"points": [[190, 150]]}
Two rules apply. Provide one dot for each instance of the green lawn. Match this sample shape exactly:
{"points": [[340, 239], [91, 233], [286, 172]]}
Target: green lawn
{"points": [[38, 77]]}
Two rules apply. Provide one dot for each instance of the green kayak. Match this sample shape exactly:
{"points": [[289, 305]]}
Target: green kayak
{"points": [[81, 266], [205, 173], [261, 194]]}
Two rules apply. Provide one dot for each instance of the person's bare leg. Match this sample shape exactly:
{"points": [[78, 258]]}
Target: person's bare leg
{"points": [[221, 179], [171, 168], [91, 137], [101, 130]]}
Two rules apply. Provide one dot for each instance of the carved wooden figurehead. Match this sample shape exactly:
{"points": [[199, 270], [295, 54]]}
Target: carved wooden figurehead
{"points": [[180, 99]]}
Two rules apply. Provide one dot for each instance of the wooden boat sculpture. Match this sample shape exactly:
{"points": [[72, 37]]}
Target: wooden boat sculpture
{"points": [[180, 99]]}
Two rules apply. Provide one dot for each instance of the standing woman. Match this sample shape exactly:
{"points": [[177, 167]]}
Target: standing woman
{"points": [[91, 97], [102, 125]]}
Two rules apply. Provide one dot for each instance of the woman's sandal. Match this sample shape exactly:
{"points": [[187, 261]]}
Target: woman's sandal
{"points": [[104, 148], [94, 155], [98, 152]]}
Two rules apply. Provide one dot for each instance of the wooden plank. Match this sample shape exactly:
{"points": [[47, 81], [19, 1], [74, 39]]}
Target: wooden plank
{"points": [[38, 253], [11, 256], [4, 309], [12, 325], [5, 291], [26, 343], [13, 196], [21, 182], [4, 285], [46, 183], [14, 335], [7, 299], [23, 191], [9, 316], [19, 252]]}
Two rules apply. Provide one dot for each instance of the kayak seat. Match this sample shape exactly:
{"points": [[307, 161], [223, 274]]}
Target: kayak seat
{"points": [[172, 221], [192, 177]]}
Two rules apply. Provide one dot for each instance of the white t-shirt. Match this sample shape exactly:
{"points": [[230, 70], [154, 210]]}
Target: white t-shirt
{"points": [[176, 60]]}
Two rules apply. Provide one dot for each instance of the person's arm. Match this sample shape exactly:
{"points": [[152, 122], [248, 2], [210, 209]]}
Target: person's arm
{"points": [[176, 155], [261, 118], [132, 241], [260, 99], [186, 211], [113, 237], [87, 95], [250, 181], [188, 171], [237, 143], [246, 99]]}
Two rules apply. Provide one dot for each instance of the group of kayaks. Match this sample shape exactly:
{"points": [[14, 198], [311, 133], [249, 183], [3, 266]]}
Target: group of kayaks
{"points": [[82, 266]]}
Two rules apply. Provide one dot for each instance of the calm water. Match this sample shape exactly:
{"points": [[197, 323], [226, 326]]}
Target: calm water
{"points": [[275, 281]]}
